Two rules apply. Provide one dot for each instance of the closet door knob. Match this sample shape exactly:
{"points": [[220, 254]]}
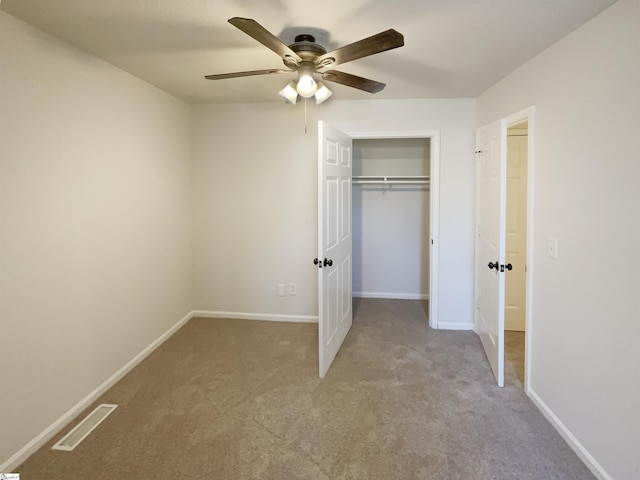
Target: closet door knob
{"points": [[493, 265], [328, 262]]}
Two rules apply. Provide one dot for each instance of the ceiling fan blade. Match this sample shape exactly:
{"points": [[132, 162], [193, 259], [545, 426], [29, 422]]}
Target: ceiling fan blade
{"points": [[262, 35], [368, 46], [354, 81], [251, 73]]}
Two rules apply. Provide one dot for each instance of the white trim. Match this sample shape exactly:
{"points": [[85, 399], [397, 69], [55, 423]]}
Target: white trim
{"points": [[455, 326], [30, 448], [374, 135], [566, 434], [529, 115], [434, 205], [434, 231], [398, 296], [270, 317]]}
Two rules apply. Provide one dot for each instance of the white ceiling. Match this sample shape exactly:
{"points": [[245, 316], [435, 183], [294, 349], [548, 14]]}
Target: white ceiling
{"points": [[453, 48]]}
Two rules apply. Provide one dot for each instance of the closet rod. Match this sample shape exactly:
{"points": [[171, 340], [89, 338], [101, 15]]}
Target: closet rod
{"points": [[373, 177], [391, 182], [392, 179]]}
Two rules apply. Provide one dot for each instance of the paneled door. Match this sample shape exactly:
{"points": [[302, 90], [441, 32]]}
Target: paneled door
{"points": [[334, 242], [490, 243], [516, 236]]}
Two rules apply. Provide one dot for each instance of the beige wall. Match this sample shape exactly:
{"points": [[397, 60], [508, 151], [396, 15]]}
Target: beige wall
{"points": [[95, 225], [255, 198], [585, 331]]}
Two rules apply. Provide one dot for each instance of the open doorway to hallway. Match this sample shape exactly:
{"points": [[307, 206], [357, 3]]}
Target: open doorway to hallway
{"points": [[515, 309]]}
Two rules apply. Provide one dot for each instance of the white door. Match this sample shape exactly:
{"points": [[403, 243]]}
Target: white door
{"points": [[490, 243], [515, 281], [334, 242]]}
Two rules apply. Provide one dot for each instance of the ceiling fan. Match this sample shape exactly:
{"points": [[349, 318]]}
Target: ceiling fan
{"points": [[310, 59]]}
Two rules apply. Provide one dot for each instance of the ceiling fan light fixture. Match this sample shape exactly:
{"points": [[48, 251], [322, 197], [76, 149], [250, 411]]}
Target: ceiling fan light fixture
{"points": [[289, 93], [307, 86], [322, 93]]}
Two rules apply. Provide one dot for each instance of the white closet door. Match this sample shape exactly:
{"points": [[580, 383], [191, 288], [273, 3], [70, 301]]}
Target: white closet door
{"points": [[334, 242]]}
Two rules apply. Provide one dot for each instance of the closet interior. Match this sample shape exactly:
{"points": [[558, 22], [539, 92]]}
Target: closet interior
{"points": [[391, 218]]}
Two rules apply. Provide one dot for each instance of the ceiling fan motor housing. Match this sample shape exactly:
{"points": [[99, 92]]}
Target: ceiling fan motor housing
{"points": [[307, 49]]}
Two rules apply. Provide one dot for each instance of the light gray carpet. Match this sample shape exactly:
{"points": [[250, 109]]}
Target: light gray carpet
{"points": [[230, 399]]}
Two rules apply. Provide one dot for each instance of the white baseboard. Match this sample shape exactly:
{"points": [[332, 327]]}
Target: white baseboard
{"points": [[270, 317], [454, 326], [396, 296], [30, 448], [573, 442]]}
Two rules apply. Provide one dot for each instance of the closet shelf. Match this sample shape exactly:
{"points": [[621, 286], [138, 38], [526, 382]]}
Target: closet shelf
{"points": [[392, 179]]}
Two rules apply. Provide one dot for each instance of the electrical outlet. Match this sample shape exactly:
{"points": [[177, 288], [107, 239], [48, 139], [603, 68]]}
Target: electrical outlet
{"points": [[281, 289], [293, 289]]}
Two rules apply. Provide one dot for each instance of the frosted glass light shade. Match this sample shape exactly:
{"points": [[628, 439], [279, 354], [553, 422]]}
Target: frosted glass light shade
{"points": [[307, 87], [289, 93], [322, 93]]}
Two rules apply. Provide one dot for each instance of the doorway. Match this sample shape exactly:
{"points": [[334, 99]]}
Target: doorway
{"points": [[391, 236], [334, 260], [493, 269], [525, 120], [421, 174], [516, 250]]}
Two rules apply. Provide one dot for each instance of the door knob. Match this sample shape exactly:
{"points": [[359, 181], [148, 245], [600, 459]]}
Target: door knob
{"points": [[493, 265], [323, 263]]}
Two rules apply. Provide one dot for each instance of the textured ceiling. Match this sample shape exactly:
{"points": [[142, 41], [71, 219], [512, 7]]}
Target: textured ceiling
{"points": [[453, 48]]}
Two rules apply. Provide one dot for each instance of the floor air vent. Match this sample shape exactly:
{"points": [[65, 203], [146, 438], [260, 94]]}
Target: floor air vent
{"points": [[72, 439]]}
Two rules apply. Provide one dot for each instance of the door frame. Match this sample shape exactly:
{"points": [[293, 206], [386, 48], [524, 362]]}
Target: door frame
{"points": [[518, 117], [434, 202]]}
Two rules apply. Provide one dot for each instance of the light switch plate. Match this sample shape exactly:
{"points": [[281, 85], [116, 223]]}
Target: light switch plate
{"points": [[552, 248]]}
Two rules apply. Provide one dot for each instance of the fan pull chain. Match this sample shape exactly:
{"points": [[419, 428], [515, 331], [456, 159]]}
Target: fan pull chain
{"points": [[305, 115]]}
